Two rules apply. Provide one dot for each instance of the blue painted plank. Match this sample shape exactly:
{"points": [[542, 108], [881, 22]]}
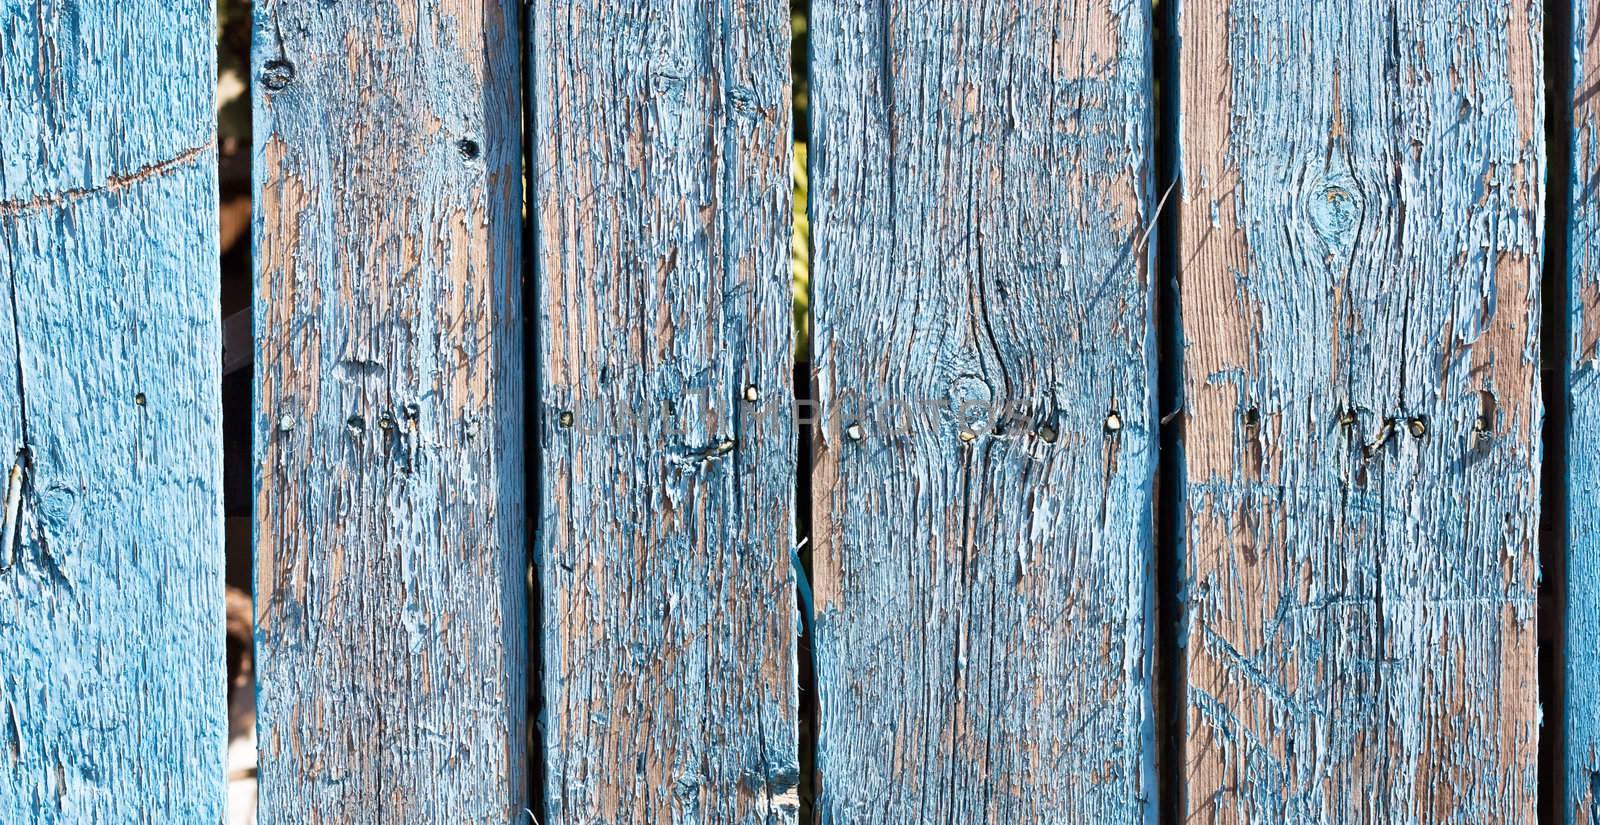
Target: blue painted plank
{"points": [[389, 526], [1582, 642], [980, 207], [1361, 243], [112, 682], [660, 199]]}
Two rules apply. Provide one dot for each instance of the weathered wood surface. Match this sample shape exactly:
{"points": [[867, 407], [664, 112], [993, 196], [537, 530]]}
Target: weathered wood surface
{"points": [[1361, 239], [980, 193], [1582, 625], [660, 198], [112, 684], [390, 538]]}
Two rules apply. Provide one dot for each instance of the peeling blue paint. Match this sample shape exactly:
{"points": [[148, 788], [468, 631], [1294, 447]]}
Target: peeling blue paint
{"points": [[660, 202], [1361, 247], [112, 683], [390, 532], [980, 198], [1582, 621]]}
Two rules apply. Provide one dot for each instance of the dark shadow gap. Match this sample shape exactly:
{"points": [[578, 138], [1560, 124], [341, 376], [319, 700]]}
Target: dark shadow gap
{"points": [[533, 458], [236, 274], [1555, 343], [1169, 666], [808, 708], [804, 401]]}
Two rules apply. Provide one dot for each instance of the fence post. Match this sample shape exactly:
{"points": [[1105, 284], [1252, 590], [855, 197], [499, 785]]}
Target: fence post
{"points": [[981, 210], [1581, 383], [660, 203], [390, 557], [112, 684], [1362, 218]]}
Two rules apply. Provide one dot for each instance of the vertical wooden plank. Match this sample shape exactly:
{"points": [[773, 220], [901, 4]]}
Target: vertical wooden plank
{"points": [[1582, 546], [984, 356], [112, 684], [1361, 239], [390, 539], [660, 134]]}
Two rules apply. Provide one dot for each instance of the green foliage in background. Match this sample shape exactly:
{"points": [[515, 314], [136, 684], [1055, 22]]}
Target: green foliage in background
{"points": [[800, 237], [800, 258]]}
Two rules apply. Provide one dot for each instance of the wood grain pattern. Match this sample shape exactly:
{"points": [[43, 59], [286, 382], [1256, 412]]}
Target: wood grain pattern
{"points": [[1582, 624], [112, 683], [660, 134], [1361, 240], [984, 358], [390, 538]]}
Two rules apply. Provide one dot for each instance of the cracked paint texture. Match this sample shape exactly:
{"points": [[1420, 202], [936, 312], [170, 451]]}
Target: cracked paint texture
{"points": [[984, 358], [112, 677], [389, 524], [660, 204], [1582, 651], [1360, 255]]}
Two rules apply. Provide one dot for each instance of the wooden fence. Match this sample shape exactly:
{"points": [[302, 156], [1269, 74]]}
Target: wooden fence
{"points": [[1173, 444]]}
